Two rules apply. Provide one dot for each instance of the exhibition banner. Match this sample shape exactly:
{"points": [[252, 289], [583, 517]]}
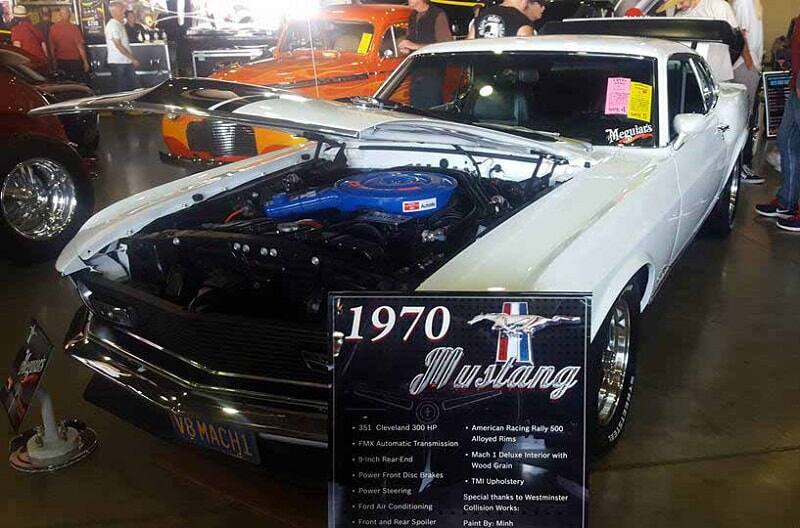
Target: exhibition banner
{"points": [[459, 410], [26, 373]]}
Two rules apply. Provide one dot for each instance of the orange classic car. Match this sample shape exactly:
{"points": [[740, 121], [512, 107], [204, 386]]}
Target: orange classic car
{"points": [[344, 51]]}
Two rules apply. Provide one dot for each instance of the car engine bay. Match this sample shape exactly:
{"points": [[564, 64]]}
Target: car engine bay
{"points": [[276, 247]]}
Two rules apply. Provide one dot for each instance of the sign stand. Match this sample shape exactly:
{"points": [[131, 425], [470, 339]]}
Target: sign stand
{"points": [[52, 445]]}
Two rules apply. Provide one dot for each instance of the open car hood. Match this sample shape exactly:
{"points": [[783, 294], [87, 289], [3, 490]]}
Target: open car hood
{"points": [[328, 121]]}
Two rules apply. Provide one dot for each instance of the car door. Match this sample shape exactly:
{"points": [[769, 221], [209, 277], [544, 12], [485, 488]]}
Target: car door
{"points": [[700, 159], [387, 57]]}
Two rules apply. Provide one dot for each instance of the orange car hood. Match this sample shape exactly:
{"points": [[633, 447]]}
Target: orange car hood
{"points": [[292, 72]]}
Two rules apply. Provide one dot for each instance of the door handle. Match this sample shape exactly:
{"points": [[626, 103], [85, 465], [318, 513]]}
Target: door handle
{"points": [[723, 128]]}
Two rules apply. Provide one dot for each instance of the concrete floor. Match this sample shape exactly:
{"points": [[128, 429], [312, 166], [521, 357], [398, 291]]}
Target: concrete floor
{"points": [[714, 436]]}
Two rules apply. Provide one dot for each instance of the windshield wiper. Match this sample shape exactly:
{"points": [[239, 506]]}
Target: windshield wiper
{"points": [[546, 134], [387, 104]]}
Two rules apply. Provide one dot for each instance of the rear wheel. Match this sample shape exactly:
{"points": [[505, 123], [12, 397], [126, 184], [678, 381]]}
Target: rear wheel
{"points": [[45, 196], [720, 221], [613, 358]]}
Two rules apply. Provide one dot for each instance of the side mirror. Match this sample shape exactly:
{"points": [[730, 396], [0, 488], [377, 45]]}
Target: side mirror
{"points": [[687, 125]]}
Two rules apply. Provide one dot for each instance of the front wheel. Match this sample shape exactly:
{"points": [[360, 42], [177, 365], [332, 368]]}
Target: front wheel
{"points": [[613, 370], [45, 197]]}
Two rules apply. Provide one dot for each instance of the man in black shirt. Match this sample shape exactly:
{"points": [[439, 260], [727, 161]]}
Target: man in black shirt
{"points": [[505, 20]]}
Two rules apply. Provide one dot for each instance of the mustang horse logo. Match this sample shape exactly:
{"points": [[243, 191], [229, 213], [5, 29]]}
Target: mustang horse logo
{"points": [[516, 327]]}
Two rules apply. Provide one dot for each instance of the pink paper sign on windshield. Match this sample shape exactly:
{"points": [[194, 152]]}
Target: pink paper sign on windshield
{"points": [[617, 95]]}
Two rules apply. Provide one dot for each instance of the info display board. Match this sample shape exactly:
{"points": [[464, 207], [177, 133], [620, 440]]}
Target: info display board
{"points": [[20, 386], [776, 94], [463, 410]]}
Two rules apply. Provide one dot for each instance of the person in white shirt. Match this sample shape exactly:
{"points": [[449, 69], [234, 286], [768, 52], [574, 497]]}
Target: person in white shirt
{"points": [[719, 59], [747, 70], [120, 59]]}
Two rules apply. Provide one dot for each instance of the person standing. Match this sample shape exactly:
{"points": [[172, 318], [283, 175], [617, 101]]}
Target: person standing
{"points": [[68, 48], [427, 24], [25, 36], [784, 206], [719, 58], [45, 23], [508, 19], [747, 70], [534, 12], [133, 28], [120, 59]]}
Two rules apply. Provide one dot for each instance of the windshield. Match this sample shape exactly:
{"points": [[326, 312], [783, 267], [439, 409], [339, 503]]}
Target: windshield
{"points": [[602, 99], [329, 35]]}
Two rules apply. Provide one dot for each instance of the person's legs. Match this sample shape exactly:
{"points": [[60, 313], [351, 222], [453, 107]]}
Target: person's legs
{"points": [[750, 79], [789, 146], [73, 70], [116, 77], [131, 80], [784, 206]]}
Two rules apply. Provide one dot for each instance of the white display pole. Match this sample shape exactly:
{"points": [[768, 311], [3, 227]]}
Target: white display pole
{"points": [[52, 445]]}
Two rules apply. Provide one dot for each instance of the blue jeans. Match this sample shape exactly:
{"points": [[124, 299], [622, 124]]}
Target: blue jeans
{"points": [[124, 77], [789, 146]]}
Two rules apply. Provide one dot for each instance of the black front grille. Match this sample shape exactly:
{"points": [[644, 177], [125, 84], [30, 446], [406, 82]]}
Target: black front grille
{"points": [[221, 139], [231, 344]]}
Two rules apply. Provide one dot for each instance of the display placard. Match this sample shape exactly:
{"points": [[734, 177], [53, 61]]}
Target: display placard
{"points": [[26, 373], [464, 410], [776, 94]]}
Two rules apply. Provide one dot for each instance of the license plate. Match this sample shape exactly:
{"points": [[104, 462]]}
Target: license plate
{"points": [[224, 438]]}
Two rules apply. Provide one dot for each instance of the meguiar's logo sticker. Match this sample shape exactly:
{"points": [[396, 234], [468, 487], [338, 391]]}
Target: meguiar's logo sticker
{"points": [[629, 135], [363, 45]]}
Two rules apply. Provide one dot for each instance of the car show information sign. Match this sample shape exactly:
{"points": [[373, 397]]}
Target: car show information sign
{"points": [[776, 94], [20, 387], [464, 410]]}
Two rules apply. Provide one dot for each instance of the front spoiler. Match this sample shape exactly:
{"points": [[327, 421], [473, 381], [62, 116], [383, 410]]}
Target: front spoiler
{"points": [[270, 417]]}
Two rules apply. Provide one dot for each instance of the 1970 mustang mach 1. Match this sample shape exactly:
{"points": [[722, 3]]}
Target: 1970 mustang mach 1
{"points": [[344, 51], [550, 164]]}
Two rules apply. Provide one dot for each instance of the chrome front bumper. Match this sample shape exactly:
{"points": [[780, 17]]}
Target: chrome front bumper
{"points": [[125, 362]]}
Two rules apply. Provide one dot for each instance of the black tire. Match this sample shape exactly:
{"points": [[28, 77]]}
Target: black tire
{"points": [[720, 222], [606, 427], [13, 244]]}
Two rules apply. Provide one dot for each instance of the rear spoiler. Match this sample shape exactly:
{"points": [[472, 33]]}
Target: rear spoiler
{"points": [[690, 30], [199, 97]]}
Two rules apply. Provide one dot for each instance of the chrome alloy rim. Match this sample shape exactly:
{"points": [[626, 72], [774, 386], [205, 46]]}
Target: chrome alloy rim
{"points": [[614, 362], [38, 198], [734, 195]]}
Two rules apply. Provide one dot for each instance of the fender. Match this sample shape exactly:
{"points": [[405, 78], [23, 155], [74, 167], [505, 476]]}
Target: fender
{"points": [[603, 299], [22, 124]]}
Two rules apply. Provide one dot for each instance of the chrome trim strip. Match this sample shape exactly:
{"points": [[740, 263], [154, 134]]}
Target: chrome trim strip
{"points": [[199, 386], [202, 367]]}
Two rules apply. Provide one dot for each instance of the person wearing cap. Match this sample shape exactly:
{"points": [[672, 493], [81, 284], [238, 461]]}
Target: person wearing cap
{"points": [[25, 35], [120, 59], [68, 49]]}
